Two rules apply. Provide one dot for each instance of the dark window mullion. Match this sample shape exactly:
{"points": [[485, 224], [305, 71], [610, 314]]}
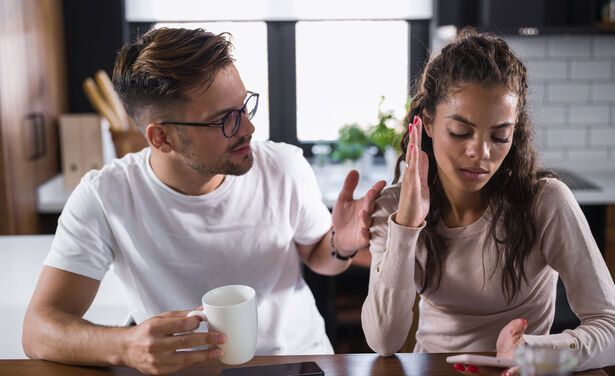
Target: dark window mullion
{"points": [[282, 81], [418, 47]]}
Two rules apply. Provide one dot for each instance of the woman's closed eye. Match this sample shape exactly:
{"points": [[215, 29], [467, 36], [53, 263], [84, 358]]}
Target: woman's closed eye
{"points": [[500, 139], [459, 135]]}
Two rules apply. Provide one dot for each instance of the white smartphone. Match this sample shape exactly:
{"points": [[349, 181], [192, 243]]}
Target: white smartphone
{"points": [[481, 360]]}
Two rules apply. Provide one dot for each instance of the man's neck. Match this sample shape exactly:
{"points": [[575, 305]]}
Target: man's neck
{"points": [[181, 178]]}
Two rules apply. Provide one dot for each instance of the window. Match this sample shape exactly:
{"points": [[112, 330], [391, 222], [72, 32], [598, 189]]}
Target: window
{"points": [[250, 42], [343, 69]]}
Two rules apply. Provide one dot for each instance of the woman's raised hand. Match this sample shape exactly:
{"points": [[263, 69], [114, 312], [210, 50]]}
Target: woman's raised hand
{"points": [[414, 199]]}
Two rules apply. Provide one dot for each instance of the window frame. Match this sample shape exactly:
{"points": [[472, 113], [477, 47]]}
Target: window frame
{"points": [[281, 65]]}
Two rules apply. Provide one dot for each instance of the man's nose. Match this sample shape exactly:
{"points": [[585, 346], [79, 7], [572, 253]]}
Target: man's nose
{"points": [[245, 126]]}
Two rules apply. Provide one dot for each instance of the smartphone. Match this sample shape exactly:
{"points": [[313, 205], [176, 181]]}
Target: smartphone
{"points": [[286, 369], [481, 360]]}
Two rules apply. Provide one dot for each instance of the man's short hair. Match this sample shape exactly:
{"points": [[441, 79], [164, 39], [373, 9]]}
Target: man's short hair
{"points": [[153, 74]]}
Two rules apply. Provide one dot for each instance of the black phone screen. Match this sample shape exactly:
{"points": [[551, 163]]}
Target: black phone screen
{"points": [[287, 369]]}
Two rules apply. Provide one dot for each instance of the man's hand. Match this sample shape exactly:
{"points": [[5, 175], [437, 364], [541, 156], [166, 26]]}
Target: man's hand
{"points": [[352, 218], [511, 337], [152, 345]]}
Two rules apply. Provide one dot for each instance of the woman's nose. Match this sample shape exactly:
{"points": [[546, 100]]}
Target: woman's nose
{"points": [[478, 149]]}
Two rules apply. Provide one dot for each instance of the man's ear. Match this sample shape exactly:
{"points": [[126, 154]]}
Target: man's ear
{"points": [[427, 122], [158, 137]]}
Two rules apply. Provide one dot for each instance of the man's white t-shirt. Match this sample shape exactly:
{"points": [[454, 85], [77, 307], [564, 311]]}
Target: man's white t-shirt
{"points": [[168, 248]]}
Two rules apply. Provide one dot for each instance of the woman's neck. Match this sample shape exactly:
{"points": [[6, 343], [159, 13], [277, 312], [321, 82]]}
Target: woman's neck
{"points": [[464, 208]]}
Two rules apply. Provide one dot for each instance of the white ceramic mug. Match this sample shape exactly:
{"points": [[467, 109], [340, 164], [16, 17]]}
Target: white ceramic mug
{"points": [[232, 311]]}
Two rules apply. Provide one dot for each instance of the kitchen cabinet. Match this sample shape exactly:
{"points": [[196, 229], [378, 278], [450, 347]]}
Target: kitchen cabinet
{"points": [[609, 251], [32, 95]]}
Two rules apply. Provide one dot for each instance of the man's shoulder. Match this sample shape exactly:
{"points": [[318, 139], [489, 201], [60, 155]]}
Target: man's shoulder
{"points": [[276, 149], [277, 155], [117, 172]]}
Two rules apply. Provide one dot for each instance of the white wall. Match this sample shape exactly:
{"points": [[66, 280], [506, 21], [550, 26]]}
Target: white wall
{"points": [[572, 94]]}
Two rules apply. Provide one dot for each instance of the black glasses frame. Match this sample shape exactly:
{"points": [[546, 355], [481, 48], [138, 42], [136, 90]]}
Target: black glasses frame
{"points": [[221, 122]]}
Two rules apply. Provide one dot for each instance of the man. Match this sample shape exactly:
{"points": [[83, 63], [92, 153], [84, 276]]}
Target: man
{"points": [[200, 208]]}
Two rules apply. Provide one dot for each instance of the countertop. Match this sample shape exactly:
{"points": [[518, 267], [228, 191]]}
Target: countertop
{"points": [[52, 195], [22, 261]]}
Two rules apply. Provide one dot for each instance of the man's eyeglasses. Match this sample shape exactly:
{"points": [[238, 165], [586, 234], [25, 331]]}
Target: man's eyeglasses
{"points": [[231, 121]]}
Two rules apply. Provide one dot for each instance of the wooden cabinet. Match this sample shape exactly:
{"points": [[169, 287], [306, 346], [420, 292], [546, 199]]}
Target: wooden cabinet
{"points": [[32, 95], [609, 249]]}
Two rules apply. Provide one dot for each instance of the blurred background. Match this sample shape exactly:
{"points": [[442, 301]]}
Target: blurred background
{"points": [[334, 78]]}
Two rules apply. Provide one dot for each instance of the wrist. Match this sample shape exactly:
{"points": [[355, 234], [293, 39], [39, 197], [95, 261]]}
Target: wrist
{"points": [[405, 221], [338, 252], [120, 353]]}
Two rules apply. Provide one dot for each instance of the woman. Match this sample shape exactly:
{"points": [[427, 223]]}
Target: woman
{"points": [[476, 229]]}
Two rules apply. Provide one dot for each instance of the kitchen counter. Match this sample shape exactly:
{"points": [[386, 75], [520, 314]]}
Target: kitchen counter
{"points": [[22, 262], [51, 196], [599, 174]]}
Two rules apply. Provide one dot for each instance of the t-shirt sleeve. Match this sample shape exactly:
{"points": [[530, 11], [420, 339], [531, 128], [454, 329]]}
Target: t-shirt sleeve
{"points": [[314, 219], [81, 242], [569, 248]]}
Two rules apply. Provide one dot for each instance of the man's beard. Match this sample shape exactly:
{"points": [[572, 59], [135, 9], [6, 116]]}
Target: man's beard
{"points": [[223, 165]]}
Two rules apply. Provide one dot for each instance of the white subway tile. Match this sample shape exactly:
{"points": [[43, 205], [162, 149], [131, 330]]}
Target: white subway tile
{"points": [[550, 154], [603, 92], [536, 93], [540, 136], [568, 92], [528, 47], [590, 114], [547, 70], [604, 45], [593, 154], [590, 69], [567, 46], [602, 137], [548, 114], [566, 137]]}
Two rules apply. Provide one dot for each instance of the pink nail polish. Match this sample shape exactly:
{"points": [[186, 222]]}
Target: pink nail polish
{"points": [[472, 369], [459, 367], [524, 322], [416, 120], [410, 128], [411, 147], [508, 374]]}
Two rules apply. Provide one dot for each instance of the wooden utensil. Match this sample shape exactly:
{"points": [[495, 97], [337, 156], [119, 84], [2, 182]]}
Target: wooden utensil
{"points": [[110, 95], [98, 102]]}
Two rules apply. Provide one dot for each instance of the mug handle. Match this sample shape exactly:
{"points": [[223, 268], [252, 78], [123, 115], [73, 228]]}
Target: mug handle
{"points": [[202, 315]]}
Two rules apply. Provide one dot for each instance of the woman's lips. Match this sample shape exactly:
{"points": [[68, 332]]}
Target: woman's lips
{"points": [[474, 174]]}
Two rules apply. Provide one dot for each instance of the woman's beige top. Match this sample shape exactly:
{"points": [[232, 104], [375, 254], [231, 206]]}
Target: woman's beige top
{"points": [[469, 309]]}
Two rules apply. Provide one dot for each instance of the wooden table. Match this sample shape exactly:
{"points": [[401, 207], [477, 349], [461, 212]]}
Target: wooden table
{"points": [[341, 364]]}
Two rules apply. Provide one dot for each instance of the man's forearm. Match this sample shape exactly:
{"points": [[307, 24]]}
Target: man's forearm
{"points": [[61, 337], [321, 261]]}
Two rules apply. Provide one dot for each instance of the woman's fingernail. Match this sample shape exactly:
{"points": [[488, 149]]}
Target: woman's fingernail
{"points": [[416, 120], [459, 367], [524, 322], [508, 374], [411, 147], [220, 338], [218, 354], [410, 128], [473, 369]]}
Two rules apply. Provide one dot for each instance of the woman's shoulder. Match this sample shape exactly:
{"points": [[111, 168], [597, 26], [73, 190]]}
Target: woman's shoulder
{"points": [[552, 189], [553, 195]]}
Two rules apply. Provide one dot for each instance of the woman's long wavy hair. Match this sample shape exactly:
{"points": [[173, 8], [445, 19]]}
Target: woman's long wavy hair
{"points": [[486, 60]]}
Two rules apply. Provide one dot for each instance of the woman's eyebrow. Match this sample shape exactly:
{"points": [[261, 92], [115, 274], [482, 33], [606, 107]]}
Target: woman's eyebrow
{"points": [[465, 121]]}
